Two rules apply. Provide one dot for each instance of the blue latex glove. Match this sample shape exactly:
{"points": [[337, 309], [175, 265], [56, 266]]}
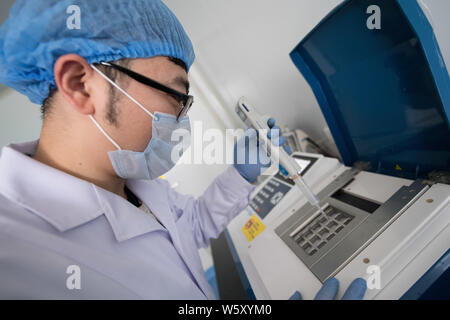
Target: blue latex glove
{"points": [[256, 160], [329, 290]]}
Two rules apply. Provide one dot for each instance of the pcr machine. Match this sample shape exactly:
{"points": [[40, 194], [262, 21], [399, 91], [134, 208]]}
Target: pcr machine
{"points": [[385, 94]]}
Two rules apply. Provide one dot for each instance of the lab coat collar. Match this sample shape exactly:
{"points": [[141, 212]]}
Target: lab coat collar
{"points": [[63, 200], [126, 220], [149, 192]]}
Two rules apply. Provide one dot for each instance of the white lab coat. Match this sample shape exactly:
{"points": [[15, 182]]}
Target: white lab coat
{"points": [[50, 220]]}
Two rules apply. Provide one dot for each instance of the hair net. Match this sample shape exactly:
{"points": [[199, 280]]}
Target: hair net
{"points": [[37, 32]]}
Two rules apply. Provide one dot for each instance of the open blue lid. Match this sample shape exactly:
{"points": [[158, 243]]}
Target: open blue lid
{"points": [[385, 93]]}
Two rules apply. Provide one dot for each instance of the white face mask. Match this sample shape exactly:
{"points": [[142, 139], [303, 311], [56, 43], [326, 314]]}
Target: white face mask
{"points": [[159, 156]]}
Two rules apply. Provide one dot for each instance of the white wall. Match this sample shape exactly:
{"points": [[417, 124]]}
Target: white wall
{"points": [[19, 118], [243, 48], [437, 12]]}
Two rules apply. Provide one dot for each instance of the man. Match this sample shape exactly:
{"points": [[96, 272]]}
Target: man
{"points": [[82, 211]]}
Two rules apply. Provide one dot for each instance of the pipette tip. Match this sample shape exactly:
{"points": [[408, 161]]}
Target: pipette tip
{"points": [[323, 213]]}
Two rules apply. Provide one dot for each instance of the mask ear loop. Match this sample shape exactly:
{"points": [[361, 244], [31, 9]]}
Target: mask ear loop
{"points": [[123, 91], [104, 133]]}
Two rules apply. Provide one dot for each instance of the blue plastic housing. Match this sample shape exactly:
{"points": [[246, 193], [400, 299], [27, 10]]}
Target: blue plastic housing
{"points": [[385, 93]]}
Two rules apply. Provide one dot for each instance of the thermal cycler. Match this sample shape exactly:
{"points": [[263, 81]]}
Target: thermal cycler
{"points": [[385, 94]]}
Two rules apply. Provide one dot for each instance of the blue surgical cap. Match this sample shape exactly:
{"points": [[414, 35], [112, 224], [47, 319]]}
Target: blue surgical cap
{"points": [[38, 32]]}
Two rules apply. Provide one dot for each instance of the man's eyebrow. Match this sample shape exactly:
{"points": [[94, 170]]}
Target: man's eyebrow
{"points": [[181, 81]]}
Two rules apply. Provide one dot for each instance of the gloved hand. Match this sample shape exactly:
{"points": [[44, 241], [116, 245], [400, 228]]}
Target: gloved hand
{"points": [[355, 291], [250, 157]]}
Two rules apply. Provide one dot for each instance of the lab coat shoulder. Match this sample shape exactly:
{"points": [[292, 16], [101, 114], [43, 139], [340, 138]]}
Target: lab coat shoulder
{"points": [[209, 214], [13, 213], [30, 271], [22, 222], [7, 207], [29, 263]]}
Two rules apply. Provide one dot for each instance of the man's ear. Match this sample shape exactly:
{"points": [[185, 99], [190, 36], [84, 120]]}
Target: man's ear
{"points": [[73, 77]]}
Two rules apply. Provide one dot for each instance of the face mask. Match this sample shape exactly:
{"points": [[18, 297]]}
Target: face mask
{"points": [[162, 151]]}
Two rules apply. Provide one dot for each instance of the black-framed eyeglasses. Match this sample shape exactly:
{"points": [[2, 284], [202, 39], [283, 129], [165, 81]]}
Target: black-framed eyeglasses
{"points": [[185, 100]]}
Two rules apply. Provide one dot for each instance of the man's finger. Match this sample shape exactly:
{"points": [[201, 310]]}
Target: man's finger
{"points": [[356, 290], [287, 148], [279, 141], [271, 122], [328, 290], [274, 132], [296, 296]]}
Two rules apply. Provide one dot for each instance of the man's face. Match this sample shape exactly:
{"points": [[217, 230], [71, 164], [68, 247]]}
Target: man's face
{"points": [[133, 129]]}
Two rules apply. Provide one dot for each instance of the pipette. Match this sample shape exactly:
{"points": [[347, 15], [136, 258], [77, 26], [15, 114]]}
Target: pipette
{"points": [[251, 117]]}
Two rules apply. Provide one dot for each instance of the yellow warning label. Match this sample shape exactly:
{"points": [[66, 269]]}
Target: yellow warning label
{"points": [[253, 227]]}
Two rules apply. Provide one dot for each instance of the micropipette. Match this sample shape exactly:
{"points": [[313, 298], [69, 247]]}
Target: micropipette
{"points": [[251, 117]]}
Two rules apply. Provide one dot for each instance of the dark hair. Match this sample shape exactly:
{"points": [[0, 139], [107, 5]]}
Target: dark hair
{"points": [[179, 62], [45, 107], [114, 75], [114, 95]]}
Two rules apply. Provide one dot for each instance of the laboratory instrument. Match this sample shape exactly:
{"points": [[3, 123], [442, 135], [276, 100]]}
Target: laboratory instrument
{"points": [[385, 95]]}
